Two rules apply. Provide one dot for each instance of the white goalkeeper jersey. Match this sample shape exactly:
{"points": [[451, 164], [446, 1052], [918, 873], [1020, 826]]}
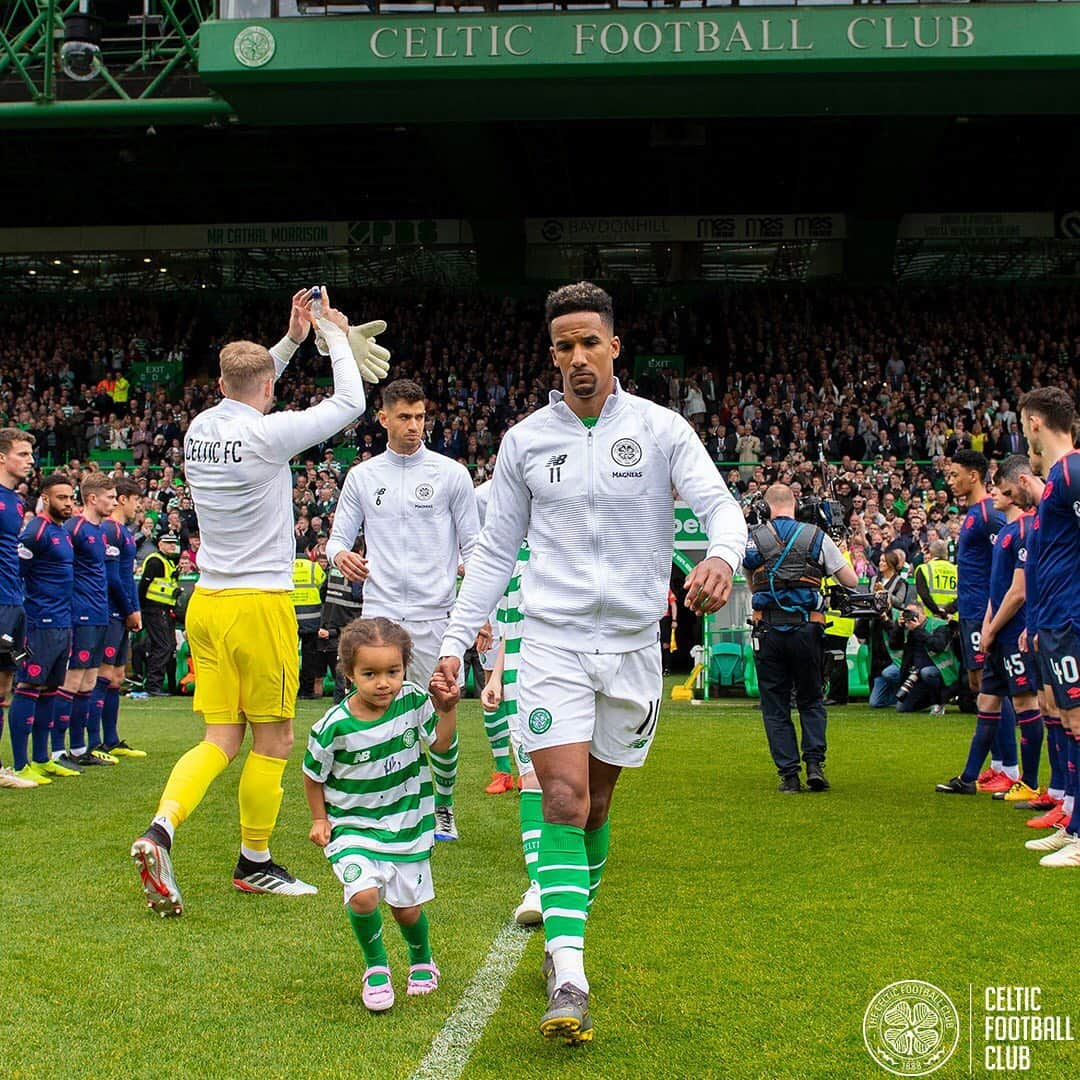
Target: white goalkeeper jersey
{"points": [[598, 508], [418, 515], [236, 462]]}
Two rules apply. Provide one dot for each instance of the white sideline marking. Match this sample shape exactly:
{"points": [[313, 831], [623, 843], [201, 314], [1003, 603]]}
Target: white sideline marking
{"points": [[452, 1047]]}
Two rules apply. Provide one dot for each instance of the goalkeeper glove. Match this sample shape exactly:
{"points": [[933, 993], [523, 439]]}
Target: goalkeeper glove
{"points": [[372, 360]]}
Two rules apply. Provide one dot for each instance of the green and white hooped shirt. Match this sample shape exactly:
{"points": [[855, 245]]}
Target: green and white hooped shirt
{"points": [[376, 781]]}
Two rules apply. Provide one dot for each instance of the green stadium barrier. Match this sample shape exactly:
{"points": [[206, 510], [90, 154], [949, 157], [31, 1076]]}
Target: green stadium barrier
{"points": [[111, 457]]}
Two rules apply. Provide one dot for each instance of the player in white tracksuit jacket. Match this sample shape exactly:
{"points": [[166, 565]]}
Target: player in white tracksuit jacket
{"points": [[418, 513], [589, 478]]}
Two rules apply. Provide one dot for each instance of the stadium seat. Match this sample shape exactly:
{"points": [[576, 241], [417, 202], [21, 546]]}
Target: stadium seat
{"points": [[749, 671], [726, 664], [859, 673]]}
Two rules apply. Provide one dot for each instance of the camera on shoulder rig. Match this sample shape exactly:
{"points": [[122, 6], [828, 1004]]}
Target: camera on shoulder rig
{"points": [[826, 514], [15, 653], [856, 605]]}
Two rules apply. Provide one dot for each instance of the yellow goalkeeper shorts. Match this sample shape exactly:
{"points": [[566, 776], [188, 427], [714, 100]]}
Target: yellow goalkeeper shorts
{"points": [[244, 649]]}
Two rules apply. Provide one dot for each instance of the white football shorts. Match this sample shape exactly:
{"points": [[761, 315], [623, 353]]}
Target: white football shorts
{"points": [[610, 700], [400, 884]]}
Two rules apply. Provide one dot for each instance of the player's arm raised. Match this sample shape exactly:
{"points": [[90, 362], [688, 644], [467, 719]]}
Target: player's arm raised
{"points": [[696, 479], [299, 328], [285, 434], [348, 521]]}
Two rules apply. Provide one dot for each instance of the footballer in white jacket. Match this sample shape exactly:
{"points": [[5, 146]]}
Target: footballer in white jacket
{"points": [[418, 514], [589, 478]]}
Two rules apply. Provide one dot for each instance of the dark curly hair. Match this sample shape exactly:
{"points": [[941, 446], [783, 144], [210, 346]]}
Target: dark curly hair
{"points": [[581, 296], [361, 633], [971, 460]]}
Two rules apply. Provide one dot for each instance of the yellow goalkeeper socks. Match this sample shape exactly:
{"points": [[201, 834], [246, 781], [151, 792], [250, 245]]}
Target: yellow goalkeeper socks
{"points": [[260, 799], [189, 779]]}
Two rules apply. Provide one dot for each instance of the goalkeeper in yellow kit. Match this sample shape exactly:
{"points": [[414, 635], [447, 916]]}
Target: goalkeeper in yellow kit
{"points": [[240, 622]]}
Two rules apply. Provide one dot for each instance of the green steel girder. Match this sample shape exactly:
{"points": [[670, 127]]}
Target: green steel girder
{"points": [[149, 74]]}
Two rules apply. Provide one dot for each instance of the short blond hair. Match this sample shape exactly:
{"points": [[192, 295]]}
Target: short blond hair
{"points": [[97, 484], [243, 365]]}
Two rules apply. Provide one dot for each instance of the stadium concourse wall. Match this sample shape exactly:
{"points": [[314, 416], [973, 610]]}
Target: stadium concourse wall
{"points": [[927, 60]]}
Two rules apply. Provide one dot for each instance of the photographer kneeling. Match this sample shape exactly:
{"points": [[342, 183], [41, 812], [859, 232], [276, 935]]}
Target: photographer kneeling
{"points": [[785, 561], [924, 665]]}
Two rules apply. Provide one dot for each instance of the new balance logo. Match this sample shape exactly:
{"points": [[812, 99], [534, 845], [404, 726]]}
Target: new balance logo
{"points": [[554, 467], [378, 496]]}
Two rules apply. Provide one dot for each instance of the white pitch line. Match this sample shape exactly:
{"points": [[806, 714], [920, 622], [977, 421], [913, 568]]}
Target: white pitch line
{"points": [[452, 1047]]}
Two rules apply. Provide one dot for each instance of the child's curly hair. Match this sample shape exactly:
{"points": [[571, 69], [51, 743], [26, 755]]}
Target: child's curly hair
{"points": [[363, 632]]}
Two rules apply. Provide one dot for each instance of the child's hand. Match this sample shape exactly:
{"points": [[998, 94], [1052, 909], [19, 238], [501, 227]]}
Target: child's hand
{"points": [[491, 695], [320, 832], [443, 692]]}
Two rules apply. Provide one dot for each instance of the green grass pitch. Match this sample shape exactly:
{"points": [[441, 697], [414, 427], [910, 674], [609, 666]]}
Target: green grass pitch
{"points": [[739, 933]]}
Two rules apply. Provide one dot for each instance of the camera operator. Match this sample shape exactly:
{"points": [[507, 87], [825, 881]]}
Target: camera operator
{"points": [[786, 561], [925, 664]]}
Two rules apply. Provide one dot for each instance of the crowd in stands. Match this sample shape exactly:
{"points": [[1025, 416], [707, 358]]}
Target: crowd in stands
{"points": [[884, 385]]}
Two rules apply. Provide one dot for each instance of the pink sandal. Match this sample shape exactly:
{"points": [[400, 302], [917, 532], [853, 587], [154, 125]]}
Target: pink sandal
{"points": [[378, 998], [423, 986]]}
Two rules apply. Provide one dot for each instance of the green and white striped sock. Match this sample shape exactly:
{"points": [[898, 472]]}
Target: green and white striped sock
{"points": [[444, 773], [563, 872], [498, 733], [596, 850], [531, 816]]}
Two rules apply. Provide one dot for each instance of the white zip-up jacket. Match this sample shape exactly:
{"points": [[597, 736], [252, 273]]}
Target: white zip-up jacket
{"points": [[418, 515], [236, 462], [598, 509]]}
